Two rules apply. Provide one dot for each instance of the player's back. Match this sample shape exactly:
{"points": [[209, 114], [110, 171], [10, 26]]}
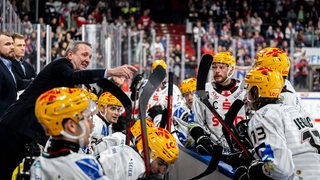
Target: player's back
{"points": [[287, 137], [303, 140], [71, 166]]}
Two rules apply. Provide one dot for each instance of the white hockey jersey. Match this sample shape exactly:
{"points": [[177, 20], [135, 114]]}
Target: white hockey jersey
{"points": [[221, 102], [115, 139], [160, 97], [100, 129], [121, 163], [286, 139], [71, 166], [182, 118], [290, 98]]}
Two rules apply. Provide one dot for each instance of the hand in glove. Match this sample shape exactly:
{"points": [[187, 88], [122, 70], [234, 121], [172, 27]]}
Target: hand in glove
{"points": [[236, 159], [241, 173], [154, 111], [204, 145], [254, 171], [135, 85]]}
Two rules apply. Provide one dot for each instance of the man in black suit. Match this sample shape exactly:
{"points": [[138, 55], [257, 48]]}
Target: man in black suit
{"points": [[23, 70], [8, 87], [19, 126]]}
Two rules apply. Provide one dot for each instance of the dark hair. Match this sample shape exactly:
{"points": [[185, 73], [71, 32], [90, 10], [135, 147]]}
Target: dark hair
{"points": [[259, 102], [5, 34]]}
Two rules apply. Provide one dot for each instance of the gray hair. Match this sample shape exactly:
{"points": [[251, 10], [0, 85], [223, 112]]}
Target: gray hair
{"points": [[73, 46]]}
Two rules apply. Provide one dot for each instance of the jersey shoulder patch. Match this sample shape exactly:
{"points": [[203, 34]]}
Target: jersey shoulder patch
{"points": [[90, 167]]}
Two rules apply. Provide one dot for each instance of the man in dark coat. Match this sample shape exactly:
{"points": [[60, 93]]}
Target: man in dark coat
{"points": [[8, 87], [19, 126], [23, 70]]}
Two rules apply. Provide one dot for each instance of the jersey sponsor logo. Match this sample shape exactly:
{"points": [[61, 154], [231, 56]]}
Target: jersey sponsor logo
{"points": [[238, 94], [226, 105], [89, 167], [130, 168], [215, 95], [225, 93], [155, 97]]}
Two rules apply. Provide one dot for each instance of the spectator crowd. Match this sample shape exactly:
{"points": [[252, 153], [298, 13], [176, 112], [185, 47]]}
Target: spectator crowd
{"points": [[268, 23]]}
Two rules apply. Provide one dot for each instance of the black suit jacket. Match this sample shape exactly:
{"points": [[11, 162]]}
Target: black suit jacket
{"points": [[8, 88], [20, 117], [23, 79]]}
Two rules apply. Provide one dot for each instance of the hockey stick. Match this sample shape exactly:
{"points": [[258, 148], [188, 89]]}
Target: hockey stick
{"points": [[169, 105], [137, 84], [229, 119], [216, 155], [204, 67], [155, 79]]}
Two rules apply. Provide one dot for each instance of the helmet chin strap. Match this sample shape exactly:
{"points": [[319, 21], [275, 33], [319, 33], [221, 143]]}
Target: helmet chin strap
{"points": [[80, 138], [105, 115], [228, 76]]}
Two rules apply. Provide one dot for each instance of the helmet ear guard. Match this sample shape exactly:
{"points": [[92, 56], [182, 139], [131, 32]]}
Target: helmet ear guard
{"points": [[269, 83]]}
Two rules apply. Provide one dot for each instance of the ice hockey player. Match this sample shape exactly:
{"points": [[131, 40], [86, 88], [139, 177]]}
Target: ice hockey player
{"points": [[123, 162], [66, 116], [183, 116], [222, 92], [109, 110], [285, 139], [157, 104], [276, 59]]}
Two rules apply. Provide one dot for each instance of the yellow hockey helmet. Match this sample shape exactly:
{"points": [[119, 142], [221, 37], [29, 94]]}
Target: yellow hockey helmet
{"points": [[159, 62], [188, 85], [274, 58], [136, 128], [107, 99], [163, 145], [269, 82], [57, 104], [93, 96], [225, 58]]}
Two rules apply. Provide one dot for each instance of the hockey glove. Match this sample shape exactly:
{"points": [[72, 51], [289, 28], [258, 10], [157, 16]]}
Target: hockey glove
{"points": [[135, 85], [254, 171], [153, 176], [240, 173], [203, 144], [154, 111], [236, 159]]}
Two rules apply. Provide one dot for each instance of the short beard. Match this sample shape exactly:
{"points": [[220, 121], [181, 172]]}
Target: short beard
{"points": [[7, 57]]}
